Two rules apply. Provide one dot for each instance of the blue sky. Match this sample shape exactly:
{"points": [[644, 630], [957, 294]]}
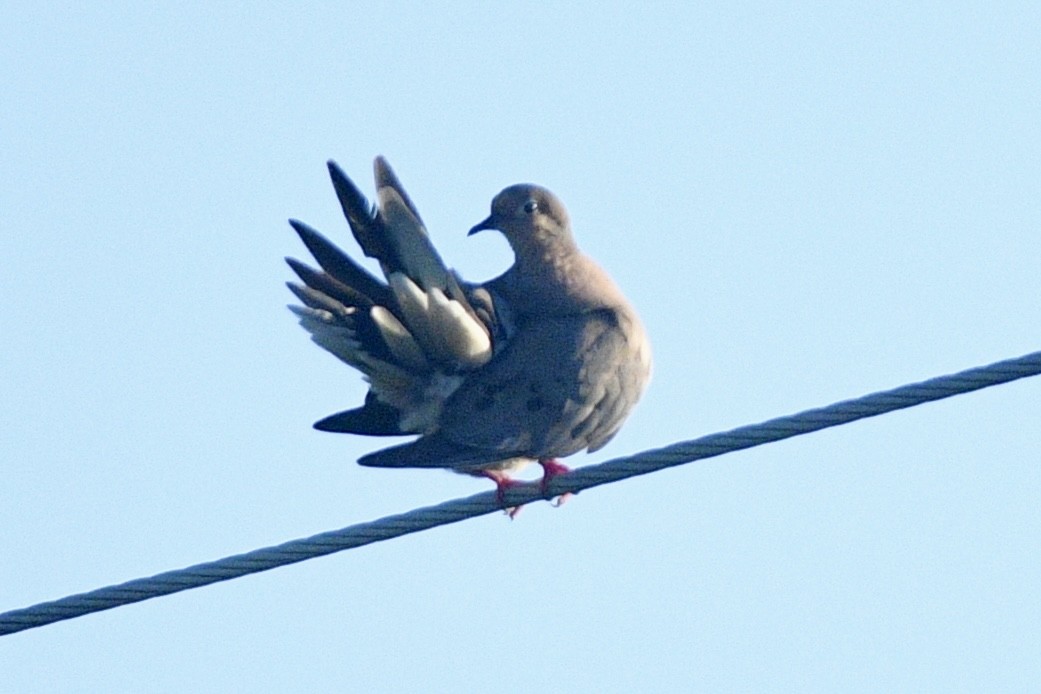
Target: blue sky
{"points": [[806, 202]]}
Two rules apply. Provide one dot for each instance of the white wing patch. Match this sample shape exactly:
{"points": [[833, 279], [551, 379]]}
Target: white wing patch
{"points": [[441, 324], [398, 338]]}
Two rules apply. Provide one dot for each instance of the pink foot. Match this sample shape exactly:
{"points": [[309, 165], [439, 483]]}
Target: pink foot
{"points": [[550, 469], [502, 483]]}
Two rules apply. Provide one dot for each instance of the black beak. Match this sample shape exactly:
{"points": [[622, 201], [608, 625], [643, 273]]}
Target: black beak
{"points": [[481, 226]]}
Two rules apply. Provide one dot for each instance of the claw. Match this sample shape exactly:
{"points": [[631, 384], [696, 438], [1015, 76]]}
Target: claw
{"points": [[502, 483], [550, 469]]}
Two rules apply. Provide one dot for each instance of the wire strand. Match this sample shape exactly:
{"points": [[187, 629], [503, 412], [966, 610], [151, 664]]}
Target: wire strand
{"points": [[480, 504]]}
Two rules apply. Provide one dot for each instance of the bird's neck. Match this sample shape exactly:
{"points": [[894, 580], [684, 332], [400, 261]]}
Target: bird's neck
{"points": [[552, 281]]}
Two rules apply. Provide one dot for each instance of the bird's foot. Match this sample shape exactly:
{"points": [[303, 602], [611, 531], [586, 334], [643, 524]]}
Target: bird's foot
{"points": [[502, 483], [550, 469]]}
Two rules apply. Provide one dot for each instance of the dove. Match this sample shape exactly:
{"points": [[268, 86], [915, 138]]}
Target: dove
{"points": [[537, 364]]}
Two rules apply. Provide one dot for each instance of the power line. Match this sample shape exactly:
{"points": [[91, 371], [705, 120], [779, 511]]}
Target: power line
{"points": [[484, 503]]}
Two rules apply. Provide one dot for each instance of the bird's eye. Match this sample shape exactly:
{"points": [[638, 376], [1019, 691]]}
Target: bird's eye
{"points": [[530, 206]]}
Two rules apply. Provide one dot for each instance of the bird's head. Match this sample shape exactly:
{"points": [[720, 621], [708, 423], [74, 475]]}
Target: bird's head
{"points": [[530, 217]]}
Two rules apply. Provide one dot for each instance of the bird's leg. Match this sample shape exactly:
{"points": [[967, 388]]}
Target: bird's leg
{"points": [[502, 483], [550, 469]]}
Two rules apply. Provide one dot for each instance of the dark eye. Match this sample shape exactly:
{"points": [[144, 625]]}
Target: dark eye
{"points": [[530, 206]]}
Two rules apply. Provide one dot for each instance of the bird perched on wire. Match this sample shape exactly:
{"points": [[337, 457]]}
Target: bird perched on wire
{"points": [[537, 364]]}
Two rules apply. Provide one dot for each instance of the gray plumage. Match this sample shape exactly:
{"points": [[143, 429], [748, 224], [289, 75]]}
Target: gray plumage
{"points": [[541, 362]]}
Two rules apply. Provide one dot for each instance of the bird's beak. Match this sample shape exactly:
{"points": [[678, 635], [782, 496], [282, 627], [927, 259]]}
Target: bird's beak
{"points": [[481, 226]]}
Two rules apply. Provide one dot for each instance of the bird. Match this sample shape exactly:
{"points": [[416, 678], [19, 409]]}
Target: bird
{"points": [[539, 363]]}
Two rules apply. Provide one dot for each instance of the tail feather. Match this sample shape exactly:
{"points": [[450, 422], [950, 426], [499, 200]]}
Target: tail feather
{"points": [[313, 298], [374, 418], [342, 330], [406, 243], [341, 266], [386, 178], [431, 451], [362, 216], [329, 285]]}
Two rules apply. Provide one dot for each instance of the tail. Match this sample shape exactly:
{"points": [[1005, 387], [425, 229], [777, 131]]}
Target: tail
{"points": [[407, 334]]}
